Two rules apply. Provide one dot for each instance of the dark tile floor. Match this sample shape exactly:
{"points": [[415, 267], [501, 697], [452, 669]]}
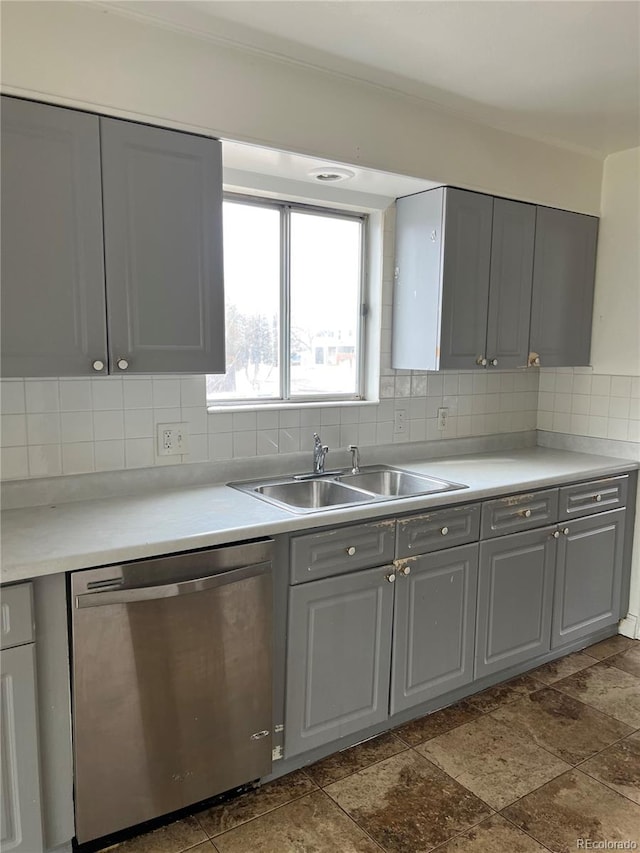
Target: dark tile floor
{"points": [[533, 765]]}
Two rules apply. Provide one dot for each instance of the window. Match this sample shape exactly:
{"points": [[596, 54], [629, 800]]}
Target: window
{"points": [[294, 303]]}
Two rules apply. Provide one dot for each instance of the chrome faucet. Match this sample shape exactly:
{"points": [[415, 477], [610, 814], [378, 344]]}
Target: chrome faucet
{"points": [[320, 451], [355, 458]]}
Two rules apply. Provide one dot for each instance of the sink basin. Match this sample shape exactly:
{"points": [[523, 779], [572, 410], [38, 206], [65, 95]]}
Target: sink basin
{"points": [[311, 494], [393, 482]]}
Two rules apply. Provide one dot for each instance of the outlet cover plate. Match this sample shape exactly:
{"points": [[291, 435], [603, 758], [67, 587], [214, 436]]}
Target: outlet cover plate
{"points": [[172, 439]]}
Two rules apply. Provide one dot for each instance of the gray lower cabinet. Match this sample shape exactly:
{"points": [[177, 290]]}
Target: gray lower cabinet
{"points": [[20, 816], [588, 576], [53, 301], [515, 594], [338, 657], [563, 284], [434, 625], [162, 194]]}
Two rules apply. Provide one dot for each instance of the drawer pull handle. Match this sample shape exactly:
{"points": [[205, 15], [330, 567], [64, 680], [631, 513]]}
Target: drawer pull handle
{"points": [[597, 498], [351, 550], [566, 531], [392, 577], [556, 534], [444, 530], [525, 513], [405, 570]]}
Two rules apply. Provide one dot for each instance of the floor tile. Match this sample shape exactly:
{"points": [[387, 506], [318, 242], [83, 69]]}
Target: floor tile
{"points": [[349, 761], [247, 806], [434, 724], [493, 835], [628, 661], [492, 698], [606, 648], [312, 824], [173, 838], [407, 804], [561, 668], [492, 760], [618, 767], [573, 807], [562, 725], [608, 689]]}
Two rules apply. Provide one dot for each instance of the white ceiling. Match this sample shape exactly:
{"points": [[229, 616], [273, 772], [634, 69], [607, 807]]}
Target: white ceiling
{"points": [[563, 70]]}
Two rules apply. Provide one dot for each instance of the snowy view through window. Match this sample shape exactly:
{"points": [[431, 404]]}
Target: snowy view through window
{"points": [[319, 258]]}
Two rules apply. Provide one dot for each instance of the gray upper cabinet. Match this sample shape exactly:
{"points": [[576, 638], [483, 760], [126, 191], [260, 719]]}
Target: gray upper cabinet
{"points": [[464, 266], [163, 253], [563, 284], [111, 230], [53, 301], [512, 241]]}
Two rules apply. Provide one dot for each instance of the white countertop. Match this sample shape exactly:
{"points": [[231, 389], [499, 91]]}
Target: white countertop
{"points": [[43, 540]]}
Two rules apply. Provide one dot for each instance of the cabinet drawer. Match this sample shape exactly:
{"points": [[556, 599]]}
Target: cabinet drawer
{"points": [[596, 496], [519, 512], [16, 622], [433, 531], [333, 552]]}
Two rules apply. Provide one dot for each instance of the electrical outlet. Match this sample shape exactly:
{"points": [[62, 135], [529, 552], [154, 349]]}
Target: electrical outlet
{"points": [[443, 416], [400, 421], [173, 439]]}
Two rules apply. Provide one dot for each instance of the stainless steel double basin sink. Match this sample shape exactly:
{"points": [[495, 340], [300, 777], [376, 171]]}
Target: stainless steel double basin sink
{"points": [[311, 493]]}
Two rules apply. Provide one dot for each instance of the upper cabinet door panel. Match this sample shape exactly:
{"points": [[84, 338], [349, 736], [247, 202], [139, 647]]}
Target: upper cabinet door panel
{"points": [[163, 249], [563, 282], [465, 289], [53, 304], [514, 226]]}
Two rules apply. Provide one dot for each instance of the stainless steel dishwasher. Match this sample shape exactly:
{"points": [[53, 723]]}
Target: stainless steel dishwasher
{"points": [[171, 683]]}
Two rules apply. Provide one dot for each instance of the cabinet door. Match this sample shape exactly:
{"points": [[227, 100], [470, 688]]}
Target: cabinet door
{"points": [[53, 303], [434, 626], [563, 282], [338, 658], [20, 815], [163, 249], [588, 576], [515, 592], [510, 283], [465, 284]]}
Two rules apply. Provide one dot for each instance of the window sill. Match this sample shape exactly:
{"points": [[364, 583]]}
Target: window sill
{"points": [[281, 405]]}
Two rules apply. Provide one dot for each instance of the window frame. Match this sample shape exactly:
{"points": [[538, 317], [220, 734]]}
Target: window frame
{"points": [[285, 399]]}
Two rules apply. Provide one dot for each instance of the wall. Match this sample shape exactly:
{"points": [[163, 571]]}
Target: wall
{"points": [[73, 426], [81, 54]]}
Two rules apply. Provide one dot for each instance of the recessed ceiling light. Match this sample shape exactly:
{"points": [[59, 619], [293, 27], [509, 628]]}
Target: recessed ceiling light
{"points": [[331, 175]]}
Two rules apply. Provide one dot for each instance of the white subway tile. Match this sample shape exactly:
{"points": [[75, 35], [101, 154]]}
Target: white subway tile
{"points": [[561, 422], [547, 381], [419, 385], [196, 417], [42, 395], [582, 383], [137, 394], [45, 460], [619, 407], [138, 423], [545, 420], [267, 442], [599, 405], [244, 422], [580, 424], [349, 434], [166, 393], [580, 404], [13, 463], [417, 430], [140, 453], [330, 416], [167, 416], [270, 420], [598, 426], [291, 418], [244, 443], [464, 426], [368, 433], [620, 386], [465, 383], [108, 426], [43, 428], [198, 449], [618, 429], [220, 422], [451, 383], [562, 402], [75, 395], [435, 385], [76, 427], [13, 430], [193, 391], [78, 458], [601, 385], [12, 400], [220, 446], [564, 383], [494, 381], [107, 394], [348, 415], [634, 409]]}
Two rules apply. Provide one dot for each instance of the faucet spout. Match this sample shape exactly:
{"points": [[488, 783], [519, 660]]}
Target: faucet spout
{"points": [[355, 458], [320, 451]]}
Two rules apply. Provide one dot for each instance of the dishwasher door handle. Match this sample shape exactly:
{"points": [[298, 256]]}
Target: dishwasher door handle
{"points": [[169, 590]]}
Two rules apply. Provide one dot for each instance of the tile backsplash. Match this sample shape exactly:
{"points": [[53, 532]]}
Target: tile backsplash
{"points": [[581, 402], [51, 427]]}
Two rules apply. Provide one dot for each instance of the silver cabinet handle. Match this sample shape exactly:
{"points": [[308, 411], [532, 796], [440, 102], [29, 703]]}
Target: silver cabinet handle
{"points": [[481, 361], [597, 498], [566, 531], [98, 365], [405, 570], [351, 550], [122, 363], [444, 531], [525, 513], [391, 577], [494, 362], [556, 534]]}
